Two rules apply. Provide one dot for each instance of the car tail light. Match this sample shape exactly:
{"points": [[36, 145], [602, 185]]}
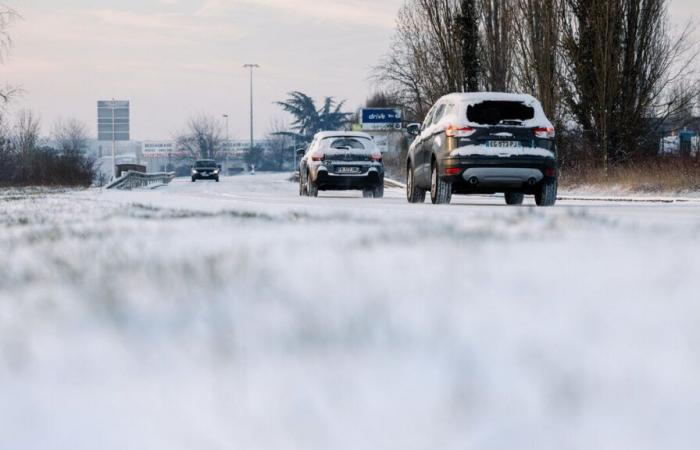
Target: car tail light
{"points": [[453, 171], [456, 132], [550, 172], [318, 157], [545, 133], [376, 157]]}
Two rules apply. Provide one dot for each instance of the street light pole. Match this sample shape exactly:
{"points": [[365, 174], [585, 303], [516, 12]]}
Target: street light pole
{"points": [[225, 116], [251, 67], [228, 142], [114, 145]]}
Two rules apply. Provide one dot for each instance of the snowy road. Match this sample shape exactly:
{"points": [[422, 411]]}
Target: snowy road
{"points": [[239, 315]]}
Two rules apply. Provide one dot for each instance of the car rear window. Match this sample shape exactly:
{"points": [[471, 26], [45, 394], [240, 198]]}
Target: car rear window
{"points": [[499, 112], [351, 143]]}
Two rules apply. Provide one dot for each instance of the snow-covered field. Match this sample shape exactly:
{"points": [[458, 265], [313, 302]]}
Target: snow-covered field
{"points": [[240, 316]]}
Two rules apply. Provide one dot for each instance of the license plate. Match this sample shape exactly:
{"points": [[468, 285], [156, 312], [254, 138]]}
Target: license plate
{"points": [[348, 170], [504, 144]]}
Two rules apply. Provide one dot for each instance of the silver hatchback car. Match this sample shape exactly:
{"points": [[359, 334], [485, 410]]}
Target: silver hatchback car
{"points": [[339, 161]]}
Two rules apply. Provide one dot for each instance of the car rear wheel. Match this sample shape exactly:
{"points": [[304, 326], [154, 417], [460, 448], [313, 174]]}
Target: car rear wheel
{"points": [[311, 187], [302, 187], [379, 191], [546, 195], [440, 191], [414, 193], [514, 198], [367, 193]]}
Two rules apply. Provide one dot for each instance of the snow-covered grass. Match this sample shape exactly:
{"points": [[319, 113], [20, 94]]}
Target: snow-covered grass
{"points": [[240, 316], [670, 176]]}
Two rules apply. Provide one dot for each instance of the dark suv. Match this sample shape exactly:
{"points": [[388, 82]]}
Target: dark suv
{"points": [[205, 169], [483, 143], [340, 161]]}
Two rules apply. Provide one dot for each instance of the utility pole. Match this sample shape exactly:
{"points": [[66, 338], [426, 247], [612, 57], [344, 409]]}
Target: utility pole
{"points": [[228, 142], [251, 67], [225, 116], [114, 145]]}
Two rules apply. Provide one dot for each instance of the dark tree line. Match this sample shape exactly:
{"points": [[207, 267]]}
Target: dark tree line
{"points": [[608, 72], [24, 158], [27, 160]]}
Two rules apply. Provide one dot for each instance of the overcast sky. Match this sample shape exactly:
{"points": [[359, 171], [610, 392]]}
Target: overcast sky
{"points": [[176, 58]]}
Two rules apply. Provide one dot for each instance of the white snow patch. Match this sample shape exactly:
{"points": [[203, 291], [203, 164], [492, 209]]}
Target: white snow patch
{"points": [[239, 315]]}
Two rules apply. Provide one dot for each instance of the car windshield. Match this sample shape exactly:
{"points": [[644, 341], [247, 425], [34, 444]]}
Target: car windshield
{"points": [[349, 143], [500, 113], [205, 164]]}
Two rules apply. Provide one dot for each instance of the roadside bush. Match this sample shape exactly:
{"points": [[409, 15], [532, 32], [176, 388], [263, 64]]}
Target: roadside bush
{"points": [[44, 166], [650, 175]]}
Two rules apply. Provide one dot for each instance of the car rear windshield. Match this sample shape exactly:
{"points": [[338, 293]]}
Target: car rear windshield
{"points": [[349, 143], [205, 164], [500, 113]]}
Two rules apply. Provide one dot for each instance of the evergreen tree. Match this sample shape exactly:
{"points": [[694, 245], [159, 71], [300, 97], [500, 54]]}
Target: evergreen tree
{"points": [[468, 32]]}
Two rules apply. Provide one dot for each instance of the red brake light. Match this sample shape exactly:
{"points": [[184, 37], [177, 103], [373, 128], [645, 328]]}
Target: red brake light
{"points": [[376, 157], [453, 171], [550, 172], [545, 133], [455, 131], [318, 157]]}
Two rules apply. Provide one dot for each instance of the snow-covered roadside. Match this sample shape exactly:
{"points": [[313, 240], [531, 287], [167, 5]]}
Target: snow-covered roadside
{"points": [[178, 320], [620, 192], [615, 194]]}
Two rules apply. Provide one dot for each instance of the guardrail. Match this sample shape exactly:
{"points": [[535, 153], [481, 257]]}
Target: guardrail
{"points": [[134, 180]]}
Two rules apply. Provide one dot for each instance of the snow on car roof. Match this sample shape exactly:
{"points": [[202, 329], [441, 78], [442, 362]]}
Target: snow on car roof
{"points": [[331, 134], [479, 97]]}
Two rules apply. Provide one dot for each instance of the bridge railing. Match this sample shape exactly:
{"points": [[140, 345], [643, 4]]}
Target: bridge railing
{"points": [[135, 180]]}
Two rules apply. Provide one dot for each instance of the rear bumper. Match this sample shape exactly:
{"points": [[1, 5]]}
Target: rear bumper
{"points": [[327, 181], [490, 174]]}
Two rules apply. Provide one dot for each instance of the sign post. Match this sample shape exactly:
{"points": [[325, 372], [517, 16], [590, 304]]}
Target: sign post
{"points": [[381, 119]]}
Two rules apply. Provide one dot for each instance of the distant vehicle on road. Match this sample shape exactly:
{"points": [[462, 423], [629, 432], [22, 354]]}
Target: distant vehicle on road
{"points": [[205, 169], [483, 143], [340, 160]]}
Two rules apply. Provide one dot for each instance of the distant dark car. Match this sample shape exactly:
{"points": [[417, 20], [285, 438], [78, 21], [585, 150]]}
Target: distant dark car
{"points": [[339, 161], [483, 143], [205, 169]]}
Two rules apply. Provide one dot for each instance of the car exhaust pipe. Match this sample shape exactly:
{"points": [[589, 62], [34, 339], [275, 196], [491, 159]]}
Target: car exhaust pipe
{"points": [[473, 181], [532, 181]]}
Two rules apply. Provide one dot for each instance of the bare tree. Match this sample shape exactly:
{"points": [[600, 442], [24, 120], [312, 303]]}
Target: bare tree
{"points": [[281, 145], [70, 135], [425, 59], [620, 61], [203, 138], [498, 43], [7, 17], [537, 28], [27, 132]]}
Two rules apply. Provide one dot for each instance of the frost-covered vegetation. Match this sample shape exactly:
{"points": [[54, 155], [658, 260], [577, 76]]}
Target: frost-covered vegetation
{"points": [[239, 315], [614, 75]]}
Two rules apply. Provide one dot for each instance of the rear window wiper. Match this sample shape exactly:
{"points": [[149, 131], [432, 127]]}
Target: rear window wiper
{"points": [[515, 122]]}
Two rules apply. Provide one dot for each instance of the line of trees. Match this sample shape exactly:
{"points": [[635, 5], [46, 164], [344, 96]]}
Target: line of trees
{"points": [[24, 158], [609, 72], [203, 138]]}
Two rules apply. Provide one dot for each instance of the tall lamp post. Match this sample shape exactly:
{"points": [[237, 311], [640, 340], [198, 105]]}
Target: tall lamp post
{"points": [[226, 147], [225, 116], [251, 67], [114, 144]]}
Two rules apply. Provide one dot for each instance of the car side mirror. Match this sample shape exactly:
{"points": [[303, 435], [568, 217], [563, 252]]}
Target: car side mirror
{"points": [[301, 152], [413, 129]]}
